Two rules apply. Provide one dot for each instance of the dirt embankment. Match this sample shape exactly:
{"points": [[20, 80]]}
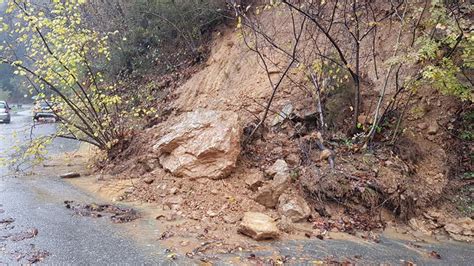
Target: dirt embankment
{"points": [[368, 189]]}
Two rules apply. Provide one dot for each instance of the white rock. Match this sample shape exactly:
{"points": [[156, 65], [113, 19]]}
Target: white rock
{"points": [[201, 144], [258, 226], [294, 207]]}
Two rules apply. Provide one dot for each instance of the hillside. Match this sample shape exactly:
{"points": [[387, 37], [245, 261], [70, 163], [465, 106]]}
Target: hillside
{"points": [[413, 182], [241, 121]]}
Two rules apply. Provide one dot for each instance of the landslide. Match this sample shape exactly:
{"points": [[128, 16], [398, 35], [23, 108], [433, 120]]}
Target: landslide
{"points": [[368, 189]]}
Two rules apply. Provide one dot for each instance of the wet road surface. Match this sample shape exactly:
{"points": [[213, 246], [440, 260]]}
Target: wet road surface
{"points": [[38, 202]]}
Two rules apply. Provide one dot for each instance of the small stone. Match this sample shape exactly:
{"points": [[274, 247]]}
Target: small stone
{"points": [[281, 116], [325, 154], [258, 226], [195, 215], [265, 197], [293, 159], [433, 128], [280, 166], [148, 180], [129, 190], [453, 229], [419, 226], [173, 190], [211, 213], [173, 202], [70, 175], [172, 217], [285, 225], [422, 126], [231, 219], [214, 191], [268, 194], [254, 180], [294, 208]]}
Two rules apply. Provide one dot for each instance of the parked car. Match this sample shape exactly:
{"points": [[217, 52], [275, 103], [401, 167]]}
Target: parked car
{"points": [[5, 112], [44, 109]]}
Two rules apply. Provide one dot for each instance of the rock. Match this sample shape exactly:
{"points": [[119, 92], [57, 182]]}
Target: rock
{"points": [[211, 213], [419, 226], [461, 229], [203, 144], [280, 183], [254, 180], [173, 190], [70, 175], [280, 166], [325, 154], [268, 194], [433, 128], [284, 114], [293, 207], [422, 126], [129, 190], [258, 226], [453, 229], [231, 219], [293, 159], [173, 202], [285, 225], [265, 196], [148, 180], [150, 164]]}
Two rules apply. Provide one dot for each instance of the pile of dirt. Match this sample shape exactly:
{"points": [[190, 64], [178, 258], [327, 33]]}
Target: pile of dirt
{"points": [[368, 187]]}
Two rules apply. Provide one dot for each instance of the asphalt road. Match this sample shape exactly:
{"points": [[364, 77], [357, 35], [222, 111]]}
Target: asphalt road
{"points": [[36, 202]]}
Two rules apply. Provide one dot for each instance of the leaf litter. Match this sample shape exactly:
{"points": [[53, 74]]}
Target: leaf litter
{"points": [[116, 214]]}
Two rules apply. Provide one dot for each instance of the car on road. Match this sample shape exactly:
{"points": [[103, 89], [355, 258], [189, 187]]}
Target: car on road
{"points": [[5, 112], [44, 109]]}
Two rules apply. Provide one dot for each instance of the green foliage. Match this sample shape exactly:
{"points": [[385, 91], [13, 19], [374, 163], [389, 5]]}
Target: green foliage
{"points": [[428, 48], [60, 54], [446, 51], [444, 77]]}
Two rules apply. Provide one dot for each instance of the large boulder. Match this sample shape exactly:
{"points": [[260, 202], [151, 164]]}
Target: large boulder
{"points": [[202, 144], [294, 208], [258, 226]]}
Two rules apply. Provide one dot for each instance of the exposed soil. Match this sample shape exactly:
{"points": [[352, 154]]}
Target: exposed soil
{"points": [[369, 189]]}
